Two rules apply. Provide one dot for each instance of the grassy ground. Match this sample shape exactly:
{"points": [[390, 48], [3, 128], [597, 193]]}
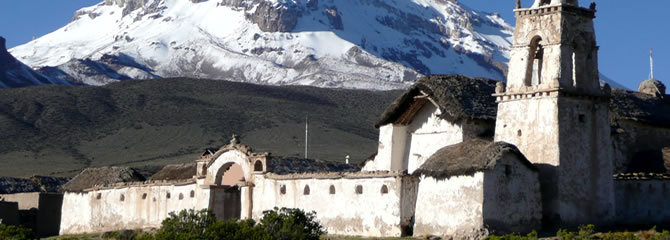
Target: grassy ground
{"points": [[59, 130]]}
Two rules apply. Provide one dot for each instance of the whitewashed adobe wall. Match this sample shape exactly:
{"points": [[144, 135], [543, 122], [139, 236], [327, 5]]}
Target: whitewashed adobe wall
{"points": [[640, 202], [344, 212], [426, 134], [504, 199], [104, 210], [512, 198], [407, 147], [450, 207]]}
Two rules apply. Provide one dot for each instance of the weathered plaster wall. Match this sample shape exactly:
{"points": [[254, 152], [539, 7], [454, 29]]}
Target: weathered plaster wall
{"points": [[641, 202], [426, 134], [346, 212], [633, 138], [408, 147], [450, 207], [585, 184], [391, 149], [570, 59], [512, 200], [9, 213], [84, 212], [576, 184]]}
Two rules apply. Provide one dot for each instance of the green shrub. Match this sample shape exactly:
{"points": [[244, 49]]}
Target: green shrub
{"points": [[237, 230], [187, 225], [11, 232], [288, 223], [277, 224], [514, 236]]}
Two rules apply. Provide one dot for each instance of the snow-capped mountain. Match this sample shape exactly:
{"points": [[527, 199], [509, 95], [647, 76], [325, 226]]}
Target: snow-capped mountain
{"points": [[14, 74], [373, 44]]}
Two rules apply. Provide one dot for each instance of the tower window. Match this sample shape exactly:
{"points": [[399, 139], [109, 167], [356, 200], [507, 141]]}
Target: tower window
{"points": [[123, 198], [192, 194], [332, 189], [306, 191], [535, 62], [518, 133], [144, 196], [282, 189]]}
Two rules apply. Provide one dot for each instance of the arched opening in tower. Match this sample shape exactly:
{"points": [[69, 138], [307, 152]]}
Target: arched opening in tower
{"points": [[535, 62]]}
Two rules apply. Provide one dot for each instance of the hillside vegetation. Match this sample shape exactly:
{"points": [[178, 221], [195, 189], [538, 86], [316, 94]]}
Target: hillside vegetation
{"points": [[59, 130]]}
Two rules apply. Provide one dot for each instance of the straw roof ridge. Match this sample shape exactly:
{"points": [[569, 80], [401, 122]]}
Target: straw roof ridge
{"points": [[457, 96], [295, 165], [91, 177], [468, 158], [175, 172], [639, 107]]}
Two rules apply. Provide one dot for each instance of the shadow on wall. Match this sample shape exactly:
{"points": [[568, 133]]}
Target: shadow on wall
{"points": [[647, 161]]}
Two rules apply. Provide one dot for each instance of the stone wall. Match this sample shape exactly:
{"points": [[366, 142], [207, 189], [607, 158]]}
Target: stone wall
{"points": [[642, 202], [9, 213], [128, 207], [365, 206]]}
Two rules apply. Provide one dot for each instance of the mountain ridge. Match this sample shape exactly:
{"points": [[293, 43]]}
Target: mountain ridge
{"points": [[369, 44]]}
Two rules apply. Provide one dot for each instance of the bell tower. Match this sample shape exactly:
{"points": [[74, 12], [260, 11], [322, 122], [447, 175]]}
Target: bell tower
{"points": [[554, 110]]}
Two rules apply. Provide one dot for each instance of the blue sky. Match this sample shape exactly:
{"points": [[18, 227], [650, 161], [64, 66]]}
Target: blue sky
{"points": [[626, 30]]}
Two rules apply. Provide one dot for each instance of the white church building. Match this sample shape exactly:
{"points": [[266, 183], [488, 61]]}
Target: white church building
{"points": [[458, 156]]}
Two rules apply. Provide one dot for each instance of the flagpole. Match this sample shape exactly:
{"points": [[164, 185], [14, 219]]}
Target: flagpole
{"points": [[651, 62], [306, 135]]}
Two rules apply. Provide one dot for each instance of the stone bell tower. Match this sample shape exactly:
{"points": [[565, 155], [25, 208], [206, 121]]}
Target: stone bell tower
{"points": [[554, 110]]}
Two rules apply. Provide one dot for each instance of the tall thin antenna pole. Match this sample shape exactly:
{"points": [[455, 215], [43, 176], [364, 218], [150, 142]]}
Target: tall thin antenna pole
{"points": [[651, 63], [306, 135]]}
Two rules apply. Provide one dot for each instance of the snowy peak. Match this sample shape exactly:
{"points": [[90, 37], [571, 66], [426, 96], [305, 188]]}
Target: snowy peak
{"points": [[372, 44], [14, 74]]}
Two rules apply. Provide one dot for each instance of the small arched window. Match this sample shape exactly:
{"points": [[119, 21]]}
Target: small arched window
{"points": [[535, 62], [192, 194], [359, 189], [99, 196], [144, 196], [282, 189], [181, 196], [168, 195], [306, 190], [258, 166], [123, 198], [332, 189], [385, 189]]}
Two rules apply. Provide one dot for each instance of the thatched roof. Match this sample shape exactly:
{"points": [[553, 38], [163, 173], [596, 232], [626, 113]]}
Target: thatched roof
{"points": [[92, 177], [34, 184], [458, 97], [175, 172], [468, 158], [640, 107], [293, 165]]}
